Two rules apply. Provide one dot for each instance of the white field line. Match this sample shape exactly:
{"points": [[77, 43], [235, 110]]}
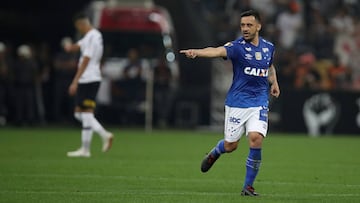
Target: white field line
{"points": [[166, 179], [167, 193]]}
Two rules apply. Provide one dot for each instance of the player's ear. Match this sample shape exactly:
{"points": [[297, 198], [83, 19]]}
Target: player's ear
{"points": [[258, 27]]}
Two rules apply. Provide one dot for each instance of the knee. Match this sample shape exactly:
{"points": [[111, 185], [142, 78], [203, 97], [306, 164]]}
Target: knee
{"points": [[230, 146], [255, 140]]}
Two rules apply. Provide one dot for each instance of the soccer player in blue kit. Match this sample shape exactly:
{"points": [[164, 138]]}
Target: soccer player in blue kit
{"points": [[246, 105]]}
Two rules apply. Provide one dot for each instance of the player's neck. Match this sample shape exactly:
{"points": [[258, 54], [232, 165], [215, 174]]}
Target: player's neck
{"points": [[88, 29], [255, 41]]}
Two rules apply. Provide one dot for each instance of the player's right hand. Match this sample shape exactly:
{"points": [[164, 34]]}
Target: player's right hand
{"points": [[190, 53], [73, 89]]}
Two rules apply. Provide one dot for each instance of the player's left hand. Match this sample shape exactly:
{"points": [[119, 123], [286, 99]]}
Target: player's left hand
{"points": [[73, 88], [275, 90], [68, 47]]}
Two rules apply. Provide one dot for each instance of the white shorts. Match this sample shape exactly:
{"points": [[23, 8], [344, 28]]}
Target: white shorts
{"points": [[237, 120]]}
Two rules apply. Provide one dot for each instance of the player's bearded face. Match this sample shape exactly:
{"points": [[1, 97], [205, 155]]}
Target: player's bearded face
{"points": [[249, 27]]}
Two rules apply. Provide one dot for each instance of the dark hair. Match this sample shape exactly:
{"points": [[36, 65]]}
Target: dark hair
{"points": [[251, 13], [80, 16]]}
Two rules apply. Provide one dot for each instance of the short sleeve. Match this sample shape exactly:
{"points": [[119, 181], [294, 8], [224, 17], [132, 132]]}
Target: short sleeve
{"points": [[272, 56], [80, 42], [89, 48], [230, 50]]}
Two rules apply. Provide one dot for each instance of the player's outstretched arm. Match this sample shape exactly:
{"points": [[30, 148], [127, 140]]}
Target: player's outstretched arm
{"points": [[71, 47], [209, 52], [274, 88]]}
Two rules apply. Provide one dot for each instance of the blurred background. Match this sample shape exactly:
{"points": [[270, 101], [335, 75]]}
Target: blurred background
{"points": [[146, 83]]}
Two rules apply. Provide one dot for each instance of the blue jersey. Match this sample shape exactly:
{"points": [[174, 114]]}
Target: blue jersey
{"points": [[250, 86]]}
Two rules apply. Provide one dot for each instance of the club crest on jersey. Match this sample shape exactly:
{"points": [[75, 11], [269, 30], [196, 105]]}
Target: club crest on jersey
{"points": [[258, 56], [265, 49], [259, 72]]}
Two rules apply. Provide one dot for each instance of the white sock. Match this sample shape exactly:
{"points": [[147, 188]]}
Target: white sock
{"points": [[99, 129], [86, 133], [77, 116], [96, 126]]}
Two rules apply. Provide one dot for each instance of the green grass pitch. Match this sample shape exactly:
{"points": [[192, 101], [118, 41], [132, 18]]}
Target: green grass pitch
{"points": [[164, 166]]}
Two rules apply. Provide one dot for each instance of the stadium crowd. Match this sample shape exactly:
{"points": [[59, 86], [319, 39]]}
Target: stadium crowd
{"points": [[34, 84], [318, 41], [30, 80], [318, 48]]}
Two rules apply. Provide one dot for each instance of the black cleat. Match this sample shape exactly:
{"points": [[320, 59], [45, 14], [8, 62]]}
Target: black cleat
{"points": [[249, 191], [207, 162]]}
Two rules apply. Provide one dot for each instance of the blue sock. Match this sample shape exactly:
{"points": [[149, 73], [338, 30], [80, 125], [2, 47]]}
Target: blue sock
{"points": [[218, 149], [252, 166]]}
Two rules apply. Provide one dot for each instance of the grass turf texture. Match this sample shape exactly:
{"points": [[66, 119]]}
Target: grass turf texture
{"points": [[164, 166]]}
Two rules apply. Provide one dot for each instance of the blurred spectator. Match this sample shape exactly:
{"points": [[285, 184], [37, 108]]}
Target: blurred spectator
{"points": [[286, 65], [354, 68], [65, 66], [42, 89], [3, 83], [322, 67], [162, 92], [323, 6], [24, 81], [131, 86], [231, 23], [355, 56], [343, 25], [128, 91], [266, 7], [289, 23], [134, 78], [321, 35], [307, 76], [339, 75], [133, 69]]}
